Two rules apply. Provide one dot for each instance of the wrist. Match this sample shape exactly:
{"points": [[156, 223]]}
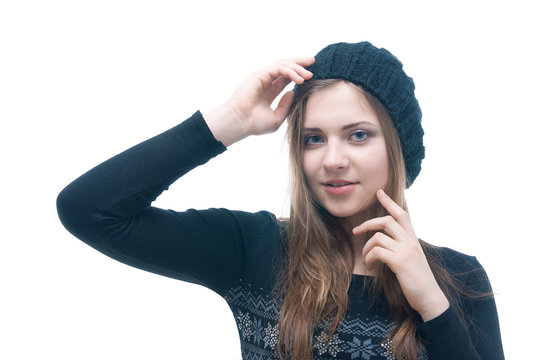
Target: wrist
{"points": [[435, 307], [225, 125]]}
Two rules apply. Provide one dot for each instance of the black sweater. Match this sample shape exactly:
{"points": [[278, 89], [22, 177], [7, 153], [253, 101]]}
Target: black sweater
{"points": [[237, 254]]}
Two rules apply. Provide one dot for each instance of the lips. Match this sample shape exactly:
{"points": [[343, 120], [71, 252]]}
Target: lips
{"points": [[338, 182], [339, 186]]}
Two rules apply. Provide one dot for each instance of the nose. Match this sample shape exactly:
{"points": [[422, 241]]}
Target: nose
{"points": [[335, 157]]}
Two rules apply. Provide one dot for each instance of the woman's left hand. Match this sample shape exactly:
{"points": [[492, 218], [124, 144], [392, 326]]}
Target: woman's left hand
{"points": [[396, 245]]}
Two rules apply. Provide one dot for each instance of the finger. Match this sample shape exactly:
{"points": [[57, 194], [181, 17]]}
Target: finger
{"points": [[303, 61], [284, 106], [292, 71], [300, 70], [277, 87], [386, 223], [394, 209], [379, 253], [400, 215], [379, 239]]}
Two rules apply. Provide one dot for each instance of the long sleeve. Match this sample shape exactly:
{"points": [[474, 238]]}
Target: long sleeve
{"points": [[447, 337], [109, 208]]}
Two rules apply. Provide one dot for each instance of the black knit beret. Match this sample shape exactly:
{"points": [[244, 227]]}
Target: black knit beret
{"points": [[381, 74]]}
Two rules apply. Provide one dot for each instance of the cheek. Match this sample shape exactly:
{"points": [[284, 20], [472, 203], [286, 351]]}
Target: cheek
{"points": [[374, 165], [309, 166], [383, 172]]}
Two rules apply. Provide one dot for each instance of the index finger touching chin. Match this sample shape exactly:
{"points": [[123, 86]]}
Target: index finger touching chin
{"points": [[392, 207]]}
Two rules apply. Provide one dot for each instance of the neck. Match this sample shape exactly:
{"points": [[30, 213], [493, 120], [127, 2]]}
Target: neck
{"points": [[357, 241]]}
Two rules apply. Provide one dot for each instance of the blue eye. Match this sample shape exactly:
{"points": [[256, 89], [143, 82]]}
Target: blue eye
{"points": [[359, 135], [312, 140]]}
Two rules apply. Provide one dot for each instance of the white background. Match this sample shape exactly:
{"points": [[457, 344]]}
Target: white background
{"points": [[82, 80]]}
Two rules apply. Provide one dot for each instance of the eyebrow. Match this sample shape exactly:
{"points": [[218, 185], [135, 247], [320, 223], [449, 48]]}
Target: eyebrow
{"points": [[346, 127]]}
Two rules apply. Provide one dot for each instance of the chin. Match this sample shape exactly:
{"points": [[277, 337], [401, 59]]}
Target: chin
{"points": [[344, 213], [350, 209]]}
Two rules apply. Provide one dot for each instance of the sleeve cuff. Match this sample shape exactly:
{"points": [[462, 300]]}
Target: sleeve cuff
{"points": [[199, 121], [440, 322]]}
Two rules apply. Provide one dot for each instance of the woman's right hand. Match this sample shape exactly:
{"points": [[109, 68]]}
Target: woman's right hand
{"points": [[248, 111]]}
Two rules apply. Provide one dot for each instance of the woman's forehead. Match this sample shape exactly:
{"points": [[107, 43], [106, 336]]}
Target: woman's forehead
{"points": [[338, 105]]}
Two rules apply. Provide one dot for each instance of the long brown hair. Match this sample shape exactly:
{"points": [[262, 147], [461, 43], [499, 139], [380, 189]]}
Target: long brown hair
{"points": [[316, 275]]}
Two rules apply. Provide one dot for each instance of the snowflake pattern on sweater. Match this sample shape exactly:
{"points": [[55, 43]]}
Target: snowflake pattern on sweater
{"points": [[360, 336]]}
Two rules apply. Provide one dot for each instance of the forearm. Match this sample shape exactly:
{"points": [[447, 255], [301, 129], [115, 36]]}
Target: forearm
{"points": [[447, 337], [127, 183]]}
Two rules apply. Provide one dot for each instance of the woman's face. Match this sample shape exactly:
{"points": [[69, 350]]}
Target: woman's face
{"points": [[345, 158]]}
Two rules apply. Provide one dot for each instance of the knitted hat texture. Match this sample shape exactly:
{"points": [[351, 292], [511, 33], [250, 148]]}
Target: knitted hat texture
{"points": [[381, 74]]}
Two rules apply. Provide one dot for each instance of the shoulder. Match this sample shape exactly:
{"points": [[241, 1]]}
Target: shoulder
{"points": [[256, 227], [247, 221], [463, 268], [263, 220], [226, 223], [453, 260]]}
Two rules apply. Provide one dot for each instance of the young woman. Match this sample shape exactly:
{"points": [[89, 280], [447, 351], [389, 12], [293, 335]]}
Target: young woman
{"points": [[345, 277]]}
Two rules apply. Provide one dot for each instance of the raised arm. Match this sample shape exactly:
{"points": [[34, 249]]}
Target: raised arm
{"points": [[109, 207]]}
